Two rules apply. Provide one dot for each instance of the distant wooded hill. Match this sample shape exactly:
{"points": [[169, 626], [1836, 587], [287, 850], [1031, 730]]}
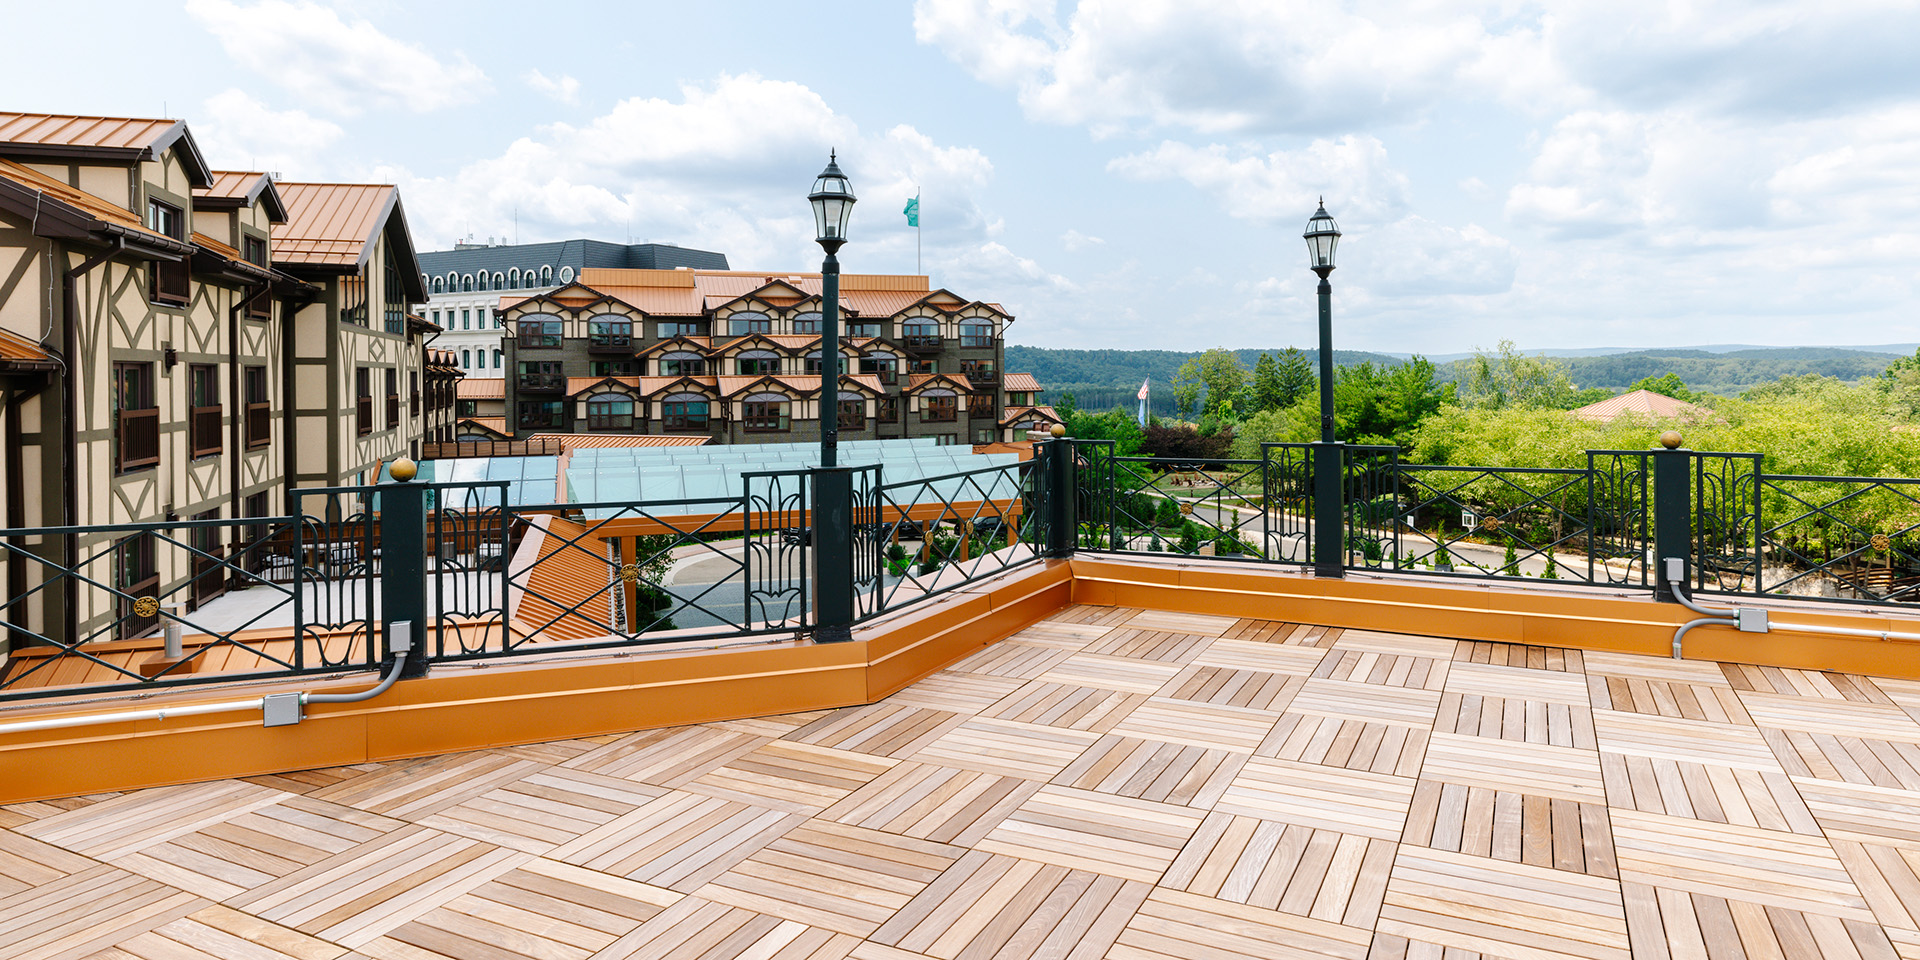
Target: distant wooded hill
{"points": [[1101, 379]]}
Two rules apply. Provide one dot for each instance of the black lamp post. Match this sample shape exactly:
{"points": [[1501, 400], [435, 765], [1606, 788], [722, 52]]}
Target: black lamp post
{"points": [[1329, 461], [832, 200], [832, 520]]}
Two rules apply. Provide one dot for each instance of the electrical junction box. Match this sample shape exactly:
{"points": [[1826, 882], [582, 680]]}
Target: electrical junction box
{"points": [[282, 709]]}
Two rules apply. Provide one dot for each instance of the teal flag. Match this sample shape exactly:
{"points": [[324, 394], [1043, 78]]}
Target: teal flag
{"points": [[913, 212]]}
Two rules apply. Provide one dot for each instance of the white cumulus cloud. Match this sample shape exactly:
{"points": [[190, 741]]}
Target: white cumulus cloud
{"points": [[334, 65], [563, 88], [235, 130]]}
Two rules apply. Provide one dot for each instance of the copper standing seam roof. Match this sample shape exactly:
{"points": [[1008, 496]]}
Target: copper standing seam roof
{"points": [[235, 188], [482, 388], [130, 138], [652, 385], [16, 349], [917, 380], [574, 441], [496, 424], [577, 385], [1015, 415], [205, 242], [331, 224], [563, 571], [1020, 383], [80, 199]]}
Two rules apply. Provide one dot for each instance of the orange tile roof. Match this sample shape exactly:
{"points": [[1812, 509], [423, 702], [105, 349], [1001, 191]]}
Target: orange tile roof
{"points": [[482, 388], [1020, 383], [331, 224], [1646, 403], [75, 197]]}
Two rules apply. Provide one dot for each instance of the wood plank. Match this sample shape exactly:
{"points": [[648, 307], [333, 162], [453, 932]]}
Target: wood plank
{"points": [[833, 876], [1082, 830], [1348, 801], [1768, 867]]}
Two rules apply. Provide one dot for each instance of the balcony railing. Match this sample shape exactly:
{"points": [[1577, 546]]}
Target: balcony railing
{"points": [[542, 383], [204, 430], [609, 343], [921, 344], [139, 436], [982, 378]]}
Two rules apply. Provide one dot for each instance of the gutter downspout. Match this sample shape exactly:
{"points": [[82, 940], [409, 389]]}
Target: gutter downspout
{"points": [[70, 427]]}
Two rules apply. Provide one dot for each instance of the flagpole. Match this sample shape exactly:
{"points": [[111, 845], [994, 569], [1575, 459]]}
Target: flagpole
{"points": [[916, 230]]}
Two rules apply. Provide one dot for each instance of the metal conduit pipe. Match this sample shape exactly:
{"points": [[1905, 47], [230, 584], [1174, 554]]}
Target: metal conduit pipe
{"points": [[278, 709], [1754, 619]]}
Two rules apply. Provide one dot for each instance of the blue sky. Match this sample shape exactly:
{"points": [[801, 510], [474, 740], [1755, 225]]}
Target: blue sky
{"points": [[1119, 173]]}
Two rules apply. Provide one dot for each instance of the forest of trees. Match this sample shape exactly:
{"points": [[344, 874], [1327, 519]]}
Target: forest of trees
{"points": [[1100, 379]]}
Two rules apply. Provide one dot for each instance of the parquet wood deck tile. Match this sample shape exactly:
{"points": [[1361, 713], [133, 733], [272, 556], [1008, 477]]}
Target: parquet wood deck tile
{"points": [[1397, 644], [1521, 683], [1532, 657], [354, 897], [129, 822], [1253, 689], [222, 933], [1750, 798], [883, 729], [1172, 925], [1195, 623], [307, 781], [1668, 924], [696, 929], [1025, 750], [679, 840], [421, 788], [1090, 613], [542, 910], [1149, 645], [1279, 631], [1668, 698], [666, 757], [1748, 678], [1002, 908], [1768, 867], [1825, 756], [1502, 909], [1297, 661], [1353, 744], [1695, 741], [1205, 725], [1019, 661], [1514, 827], [543, 810], [1327, 798], [1108, 783], [936, 803], [1104, 834], [1863, 813], [1541, 769], [1389, 669], [1323, 874], [834, 876], [222, 860], [1153, 770], [1512, 718], [1352, 699], [952, 692], [1124, 674], [86, 911], [26, 863], [1072, 706], [796, 777]]}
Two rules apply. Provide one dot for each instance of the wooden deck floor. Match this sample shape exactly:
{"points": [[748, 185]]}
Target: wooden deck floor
{"points": [[1109, 783]]}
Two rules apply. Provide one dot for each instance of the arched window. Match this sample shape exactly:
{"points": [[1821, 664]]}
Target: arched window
{"points": [[610, 411], [756, 363], [513, 279], [681, 363], [481, 281], [496, 359], [466, 283], [566, 274], [684, 413], [527, 277], [466, 359], [437, 287], [546, 276], [453, 283], [499, 281], [741, 324], [806, 325], [767, 413]]}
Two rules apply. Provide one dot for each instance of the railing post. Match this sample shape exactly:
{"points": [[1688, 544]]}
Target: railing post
{"points": [[833, 540], [1672, 517], [1329, 512], [1061, 495], [403, 563]]}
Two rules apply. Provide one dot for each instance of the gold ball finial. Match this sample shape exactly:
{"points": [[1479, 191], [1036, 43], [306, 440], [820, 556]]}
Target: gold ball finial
{"points": [[403, 469], [1670, 439], [1058, 430]]}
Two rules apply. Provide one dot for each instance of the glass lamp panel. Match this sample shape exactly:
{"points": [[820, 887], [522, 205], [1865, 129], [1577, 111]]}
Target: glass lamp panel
{"points": [[820, 218], [831, 217]]}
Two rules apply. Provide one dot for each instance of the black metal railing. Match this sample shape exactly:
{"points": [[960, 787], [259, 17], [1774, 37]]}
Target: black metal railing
{"points": [[930, 535]]}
